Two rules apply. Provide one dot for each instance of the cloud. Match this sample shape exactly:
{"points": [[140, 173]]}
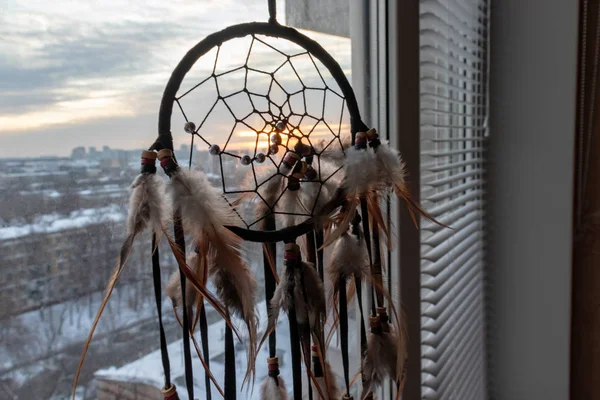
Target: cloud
{"points": [[69, 70]]}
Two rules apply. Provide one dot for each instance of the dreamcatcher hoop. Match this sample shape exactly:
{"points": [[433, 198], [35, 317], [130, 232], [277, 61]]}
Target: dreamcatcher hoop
{"points": [[275, 30]]}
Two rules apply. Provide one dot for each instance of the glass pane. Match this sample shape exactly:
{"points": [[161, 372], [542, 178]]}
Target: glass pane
{"points": [[82, 84]]}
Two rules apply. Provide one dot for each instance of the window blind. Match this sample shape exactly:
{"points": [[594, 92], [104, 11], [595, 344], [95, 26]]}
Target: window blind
{"points": [[453, 91]]}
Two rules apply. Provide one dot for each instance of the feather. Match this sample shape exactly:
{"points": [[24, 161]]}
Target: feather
{"points": [[197, 261], [325, 380], [360, 171], [360, 176], [384, 347], [301, 290], [391, 170], [273, 387], [204, 217], [146, 209], [392, 174], [348, 258], [377, 218], [317, 194]]}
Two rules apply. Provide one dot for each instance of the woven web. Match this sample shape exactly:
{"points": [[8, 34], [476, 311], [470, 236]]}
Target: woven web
{"points": [[239, 102]]}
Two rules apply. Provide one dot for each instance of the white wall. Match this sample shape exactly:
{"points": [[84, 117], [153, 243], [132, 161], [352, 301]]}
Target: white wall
{"points": [[533, 89]]}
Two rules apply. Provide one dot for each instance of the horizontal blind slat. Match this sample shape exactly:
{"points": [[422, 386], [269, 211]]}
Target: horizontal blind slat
{"points": [[453, 178], [462, 218], [450, 205], [438, 348], [466, 249], [448, 153], [454, 243], [444, 283], [445, 71], [453, 16], [465, 294], [435, 37], [439, 310], [444, 194], [425, 95], [462, 336]]}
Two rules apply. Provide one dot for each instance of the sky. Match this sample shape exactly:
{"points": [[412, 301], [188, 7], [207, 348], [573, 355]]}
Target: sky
{"points": [[91, 73]]}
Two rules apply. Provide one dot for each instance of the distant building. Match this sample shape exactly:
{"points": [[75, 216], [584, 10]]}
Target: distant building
{"points": [[78, 153]]}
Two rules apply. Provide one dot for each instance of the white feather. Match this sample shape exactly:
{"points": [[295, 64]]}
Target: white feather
{"points": [[381, 359], [360, 171], [348, 258], [331, 177], [147, 207], [329, 388], [203, 210], [309, 304], [204, 215], [390, 166], [273, 389]]}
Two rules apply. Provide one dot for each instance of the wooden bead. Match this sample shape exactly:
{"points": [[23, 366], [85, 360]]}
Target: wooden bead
{"points": [[190, 127], [246, 160], [165, 153], [276, 138], [149, 154], [280, 126]]}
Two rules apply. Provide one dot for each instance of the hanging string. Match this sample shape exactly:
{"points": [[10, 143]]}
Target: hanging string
{"points": [[230, 384], [290, 260], [344, 332], [164, 353], [319, 245], [205, 349], [377, 274], [272, 11], [305, 331], [270, 256], [358, 284], [311, 257], [367, 234], [189, 373]]}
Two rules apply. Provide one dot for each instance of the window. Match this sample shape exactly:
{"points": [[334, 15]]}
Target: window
{"points": [[82, 87]]}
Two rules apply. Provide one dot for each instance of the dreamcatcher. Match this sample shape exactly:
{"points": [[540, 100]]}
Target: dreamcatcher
{"points": [[302, 181]]}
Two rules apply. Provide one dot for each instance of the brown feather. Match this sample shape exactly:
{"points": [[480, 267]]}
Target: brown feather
{"points": [[345, 217], [204, 216], [380, 360], [196, 282], [125, 253], [377, 219], [146, 209]]}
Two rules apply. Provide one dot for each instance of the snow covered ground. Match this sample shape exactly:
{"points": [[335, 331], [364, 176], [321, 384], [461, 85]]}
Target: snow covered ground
{"points": [[50, 330], [55, 222], [148, 369]]}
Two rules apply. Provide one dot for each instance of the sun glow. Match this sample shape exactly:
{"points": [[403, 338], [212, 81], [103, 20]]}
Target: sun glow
{"points": [[248, 137]]}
